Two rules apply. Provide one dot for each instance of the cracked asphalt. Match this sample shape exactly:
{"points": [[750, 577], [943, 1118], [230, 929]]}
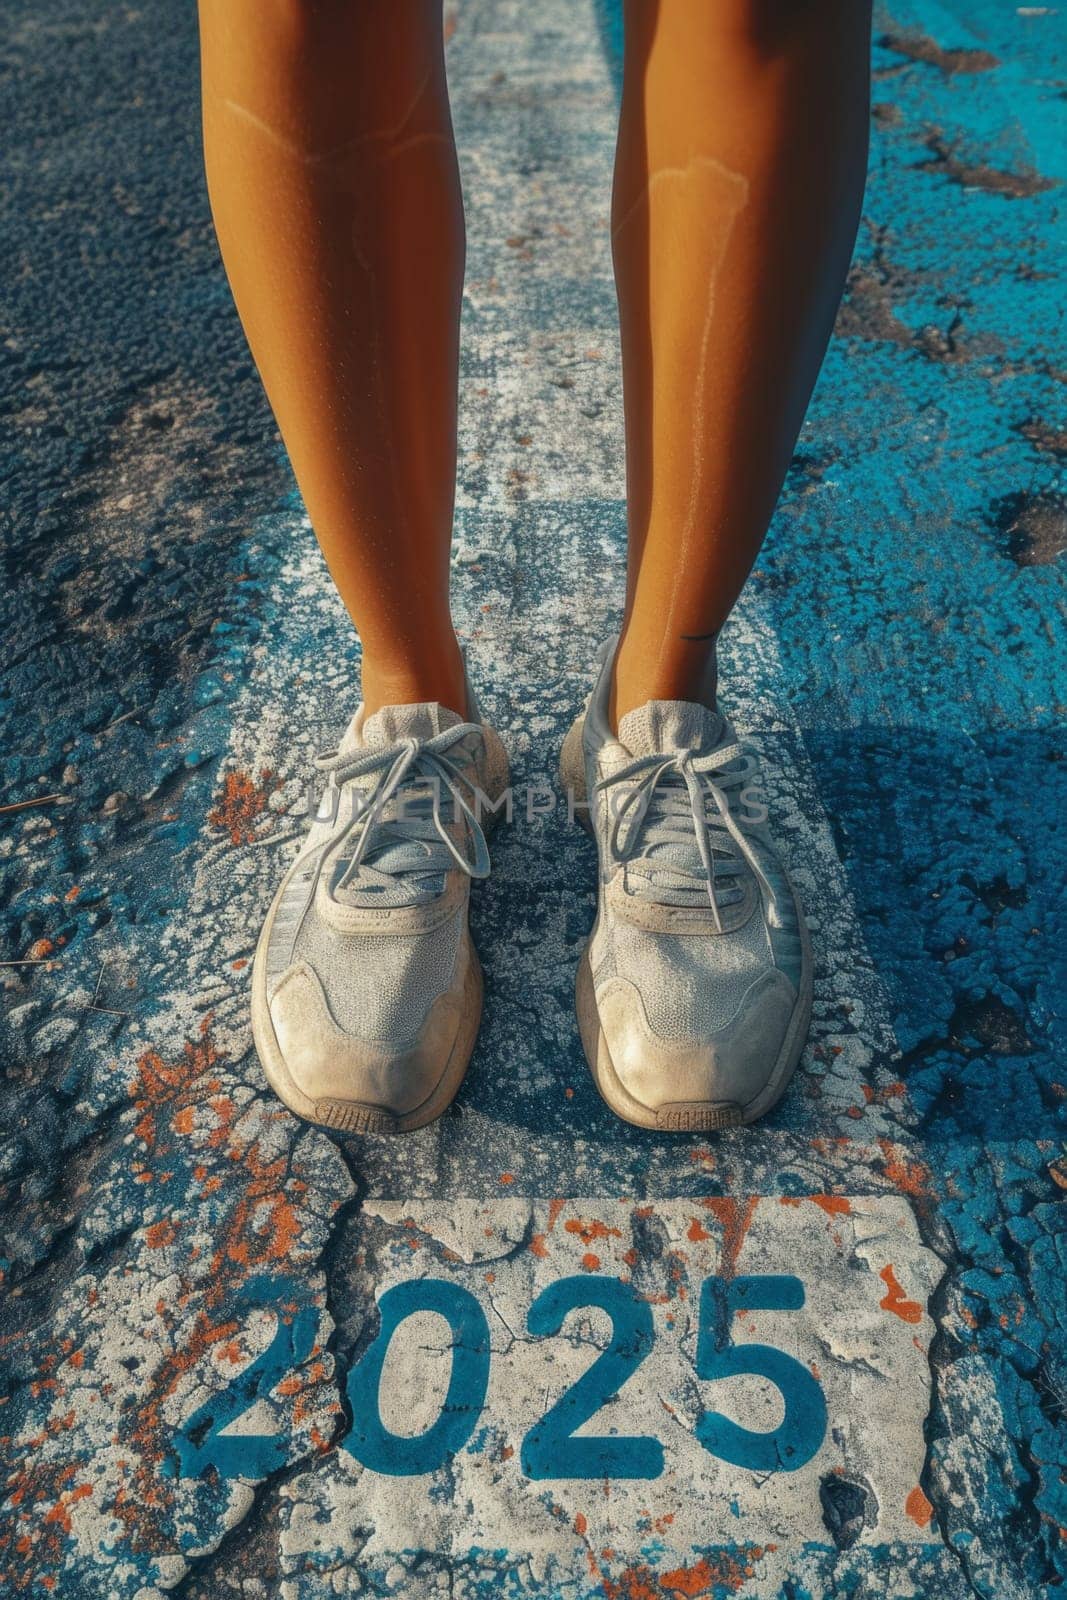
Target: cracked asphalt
{"points": [[189, 1273]]}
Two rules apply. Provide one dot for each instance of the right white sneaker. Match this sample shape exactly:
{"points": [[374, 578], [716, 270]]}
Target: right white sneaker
{"points": [[366, 986], [694, 992]]}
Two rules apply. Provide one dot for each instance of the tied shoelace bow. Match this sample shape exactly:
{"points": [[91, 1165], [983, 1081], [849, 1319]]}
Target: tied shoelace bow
{"points": [[413, 841], [680, 814]]}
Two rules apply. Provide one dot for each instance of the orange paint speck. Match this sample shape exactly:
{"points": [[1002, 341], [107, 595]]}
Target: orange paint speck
{"points": [[160, 1234], [835, 1205], [697, 1231], [588, 1231], [910, 1177], [895, 1299], [735, 1218], [590, 1262], [919, 1508], [695, 1580], [241, 803]]}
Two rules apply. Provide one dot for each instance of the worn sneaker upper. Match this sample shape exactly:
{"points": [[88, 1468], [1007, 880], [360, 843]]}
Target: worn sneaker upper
{"points": [[696, 982], [367, 989]]}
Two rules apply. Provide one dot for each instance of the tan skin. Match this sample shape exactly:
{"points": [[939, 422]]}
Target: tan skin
{"points": [[335, 191]]}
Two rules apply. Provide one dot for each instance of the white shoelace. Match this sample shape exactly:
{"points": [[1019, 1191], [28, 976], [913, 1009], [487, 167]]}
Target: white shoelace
{"points": [[661, 811], [401, 826]]}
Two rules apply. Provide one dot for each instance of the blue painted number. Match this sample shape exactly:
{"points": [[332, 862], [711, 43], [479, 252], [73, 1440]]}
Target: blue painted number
{"points": [[802, 1429], [550, 1449], [203, 1442], [369, 1440]]}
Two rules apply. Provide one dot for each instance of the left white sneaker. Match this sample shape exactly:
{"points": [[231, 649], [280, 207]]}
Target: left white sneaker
{"points": [[366, 986], [694, 992]]}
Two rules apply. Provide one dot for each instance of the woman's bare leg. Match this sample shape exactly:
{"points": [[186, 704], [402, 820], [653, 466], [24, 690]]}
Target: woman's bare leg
{"points": [[335, 191], [738, 182]]}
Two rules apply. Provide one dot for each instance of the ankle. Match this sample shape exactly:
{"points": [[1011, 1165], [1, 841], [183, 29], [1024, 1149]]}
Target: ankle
{"points": [[689, 673], [411, 680]]}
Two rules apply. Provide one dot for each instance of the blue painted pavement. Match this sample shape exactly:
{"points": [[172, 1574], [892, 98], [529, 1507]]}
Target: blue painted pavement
{"points": [[189, 1273]]}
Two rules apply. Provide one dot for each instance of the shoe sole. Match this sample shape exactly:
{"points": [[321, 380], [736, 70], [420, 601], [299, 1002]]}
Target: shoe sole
{"points": [[677, 1116]]}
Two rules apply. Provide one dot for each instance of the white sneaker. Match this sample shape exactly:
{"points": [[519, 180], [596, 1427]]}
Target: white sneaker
{"points": [[366, 987], [694, 992]]}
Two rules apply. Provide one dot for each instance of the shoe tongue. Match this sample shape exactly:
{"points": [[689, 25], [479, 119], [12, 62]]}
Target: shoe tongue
{"points": [[392, 723], [662, 726]]}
